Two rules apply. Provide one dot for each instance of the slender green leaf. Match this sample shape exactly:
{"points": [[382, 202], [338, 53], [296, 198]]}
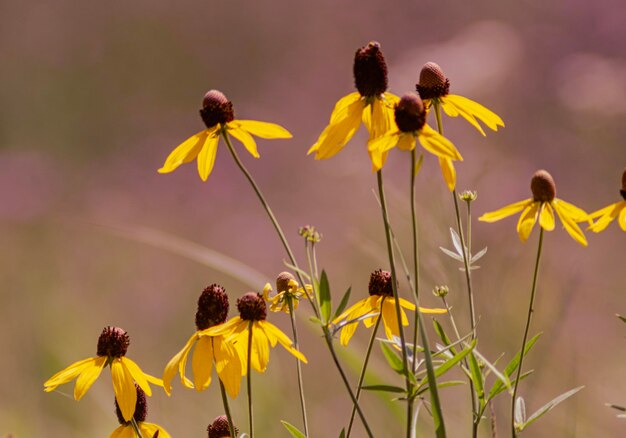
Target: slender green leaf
{"points": [[293, 430], [442, 385], [520, 413], [343, 303], [442, 334], [502, 387], [418, 164], [394, 361], [477, 378], [549, 406], [493, 369], [384, 388], [343, 433], [622, 318], [316, 320], [447, 365], [618, 407], [511, 367], [325, 304]]}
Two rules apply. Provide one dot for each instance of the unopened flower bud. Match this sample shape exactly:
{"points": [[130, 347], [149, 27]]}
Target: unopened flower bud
{"points": [[468, 196], [440, 291]]}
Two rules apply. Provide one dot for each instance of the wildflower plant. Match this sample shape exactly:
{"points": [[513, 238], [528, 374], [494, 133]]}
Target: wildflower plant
{"points": [[422, 366]]}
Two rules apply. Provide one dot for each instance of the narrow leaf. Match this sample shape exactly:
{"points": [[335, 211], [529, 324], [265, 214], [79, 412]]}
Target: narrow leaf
{"points": [[294, 268], [442, 334], [445, 384], [498, 386], [502, 387], [325, 304], [493, 369], [343, 303], [454, 255], [395, 362], [447, 365], [293, 430], [384, 388], [622, 318], [477, 378], [618, 407], [456, 241], [520, 413], [343, 433], [550, 405], [418, 164], [478, 255]]}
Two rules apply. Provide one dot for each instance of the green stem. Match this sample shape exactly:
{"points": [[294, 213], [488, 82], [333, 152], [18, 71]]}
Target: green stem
{"points": [[364, 368], [528, 319], [249, 380], [416, 283], [394, 284], [294, 330], [135, 427], [231, 426]]}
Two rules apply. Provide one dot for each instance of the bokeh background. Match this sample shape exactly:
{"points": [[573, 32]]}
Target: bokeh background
{"points": [[94, 95]]}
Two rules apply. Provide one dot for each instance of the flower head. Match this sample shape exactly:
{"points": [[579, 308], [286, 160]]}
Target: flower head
{"points": [[251, 326], [370, 104], [607, 214], [219, 117], [410, 125], [141, 411], [209, 348], [111, 350], [219, 428], [287, 289], [380, 302], [542, 206], [434, 87]]}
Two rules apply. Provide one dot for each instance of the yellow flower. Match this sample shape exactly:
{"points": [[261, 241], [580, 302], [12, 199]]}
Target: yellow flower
{"points": [[409, 126], [217, 114], [288, 289], [251, 322], [209, 348], [542, 206], [370, 104], [434, 87], [148, 430], [607, 214], [380, 302], [112, 345]]}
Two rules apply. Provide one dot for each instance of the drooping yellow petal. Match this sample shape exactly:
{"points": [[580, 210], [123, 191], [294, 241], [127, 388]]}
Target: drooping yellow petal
{"points": [[406, 142], [124, 389], [505, 211], [471, 111], [606, 216], [148, 430], [433, 311], [123, 431], [260, 348], [233, 325], [178, 363], [622, 217], [246, 139], [575, 213], [390, 320], [377, 119], [546, 217], [338, 133], [138, 375], [407, 304], [378, 148], [569, 222], [271, 330], [339, 111], [437, 144], [185, 152], [527, 221], [263, 129], [449, 172], [206, 157], [227, 365], [89, 375], [68, 374], [202, 363]]}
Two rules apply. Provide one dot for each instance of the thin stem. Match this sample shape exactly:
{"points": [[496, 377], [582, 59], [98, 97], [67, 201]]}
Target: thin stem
{"points": [[231, 426], [364, 368], [249, 380], [415, 259], [135, 427], [528, 319], [294, 330]]}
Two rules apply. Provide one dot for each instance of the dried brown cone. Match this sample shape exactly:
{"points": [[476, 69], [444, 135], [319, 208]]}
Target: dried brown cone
{"points": [[219, 428], [543, 187], [212, 307], [380, 283], [113, 342], [252, 307], [432, 83]]}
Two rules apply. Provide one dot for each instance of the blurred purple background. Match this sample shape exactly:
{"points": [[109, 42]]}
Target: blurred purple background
{"points": [[95, 95]]}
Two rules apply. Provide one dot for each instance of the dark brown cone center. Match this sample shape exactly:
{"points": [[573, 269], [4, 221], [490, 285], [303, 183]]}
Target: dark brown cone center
{"points": [[252, 307], [141, 408], [432, 83], [410, 113], [212, 307], [219, 428], [370, 71], [216, 108], [380, 283], [113, 342], [543, 187]]}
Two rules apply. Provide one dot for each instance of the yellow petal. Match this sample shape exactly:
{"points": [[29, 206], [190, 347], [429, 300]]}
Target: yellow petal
{"points": [[137, 375], [339, 111], [283, 339], [177, 363], [88, 376], [605, 216], [376, 119], [406, 141], [260, 348], [384, 142], [527, 221], [68, 374], [227, 365], [148, 430], [622, 217], [390, 320], [185, 152], [569, 223], [471, 110], [433, 311], [449, 172], [506, 211], [575, 213], [206, 157], [246, 139], [263, 129], [546, 217], [202, 363], [407, 304], [121, 432], [437, 144], [124, 388], [338, 133]]}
